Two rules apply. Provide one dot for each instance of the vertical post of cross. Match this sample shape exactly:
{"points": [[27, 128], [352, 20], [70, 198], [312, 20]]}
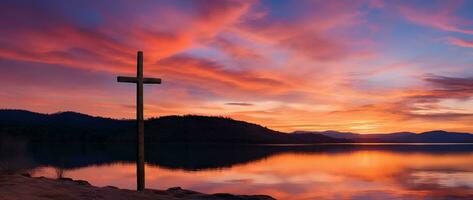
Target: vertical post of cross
{"points": [[140, 157]]}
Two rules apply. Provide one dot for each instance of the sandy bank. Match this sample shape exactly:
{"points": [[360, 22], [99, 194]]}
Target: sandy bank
{"points": [[19, 187]]}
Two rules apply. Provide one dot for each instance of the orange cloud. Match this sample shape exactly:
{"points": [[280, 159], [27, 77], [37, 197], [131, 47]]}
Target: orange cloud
{"points": [[60, 42], [201, 70]]}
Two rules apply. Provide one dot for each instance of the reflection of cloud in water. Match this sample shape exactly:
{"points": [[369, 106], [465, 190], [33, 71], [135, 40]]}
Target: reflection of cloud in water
{"points": [[240, 181], [314, 173], [444, 179]]}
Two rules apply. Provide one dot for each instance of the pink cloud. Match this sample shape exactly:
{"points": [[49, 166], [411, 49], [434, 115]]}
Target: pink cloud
{"points": [[460, 42], [58, 41], [214, 77], [442, 18], [237, 51]]}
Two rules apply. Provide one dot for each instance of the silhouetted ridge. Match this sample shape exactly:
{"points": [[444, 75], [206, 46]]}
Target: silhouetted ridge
{"points": [[77, 127], [64, 126], [191, 128], [12, 115], [437, 136]]}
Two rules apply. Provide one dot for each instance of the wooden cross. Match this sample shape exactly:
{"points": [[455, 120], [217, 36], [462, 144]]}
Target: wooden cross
{"points": [[140, 154]]}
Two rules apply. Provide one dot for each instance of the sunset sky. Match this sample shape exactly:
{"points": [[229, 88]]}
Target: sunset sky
{"points": [[362, 66]]}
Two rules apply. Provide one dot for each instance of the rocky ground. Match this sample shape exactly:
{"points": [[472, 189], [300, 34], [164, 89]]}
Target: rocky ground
{"points": [[23, 187]]}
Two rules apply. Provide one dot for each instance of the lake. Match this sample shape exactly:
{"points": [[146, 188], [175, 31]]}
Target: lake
{"points": [[289, 172]]}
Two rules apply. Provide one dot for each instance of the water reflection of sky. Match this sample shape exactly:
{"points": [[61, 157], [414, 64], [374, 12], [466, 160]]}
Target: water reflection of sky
{"points": [[364, 174], [444, 179]]}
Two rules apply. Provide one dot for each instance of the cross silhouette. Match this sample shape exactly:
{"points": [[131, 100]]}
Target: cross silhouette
{"points": [[140, 154]]}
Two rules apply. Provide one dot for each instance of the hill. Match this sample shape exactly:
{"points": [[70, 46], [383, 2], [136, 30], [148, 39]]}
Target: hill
{"points": [[437, 136], [77, 127]]}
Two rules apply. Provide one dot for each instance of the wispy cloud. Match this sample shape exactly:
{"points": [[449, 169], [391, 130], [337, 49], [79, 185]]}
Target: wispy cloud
{"points": [[460, 42], [239, 104], [442, 18]]}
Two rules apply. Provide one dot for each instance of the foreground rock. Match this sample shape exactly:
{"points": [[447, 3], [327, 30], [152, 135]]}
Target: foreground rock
{"points": [[21, 187]]}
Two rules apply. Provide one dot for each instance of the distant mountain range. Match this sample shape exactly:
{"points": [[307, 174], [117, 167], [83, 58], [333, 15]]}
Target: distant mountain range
{"points": [[77, 127], [437, 136]]}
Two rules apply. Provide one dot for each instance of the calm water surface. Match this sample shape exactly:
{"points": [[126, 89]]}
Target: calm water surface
{"points": [[381, 171]]}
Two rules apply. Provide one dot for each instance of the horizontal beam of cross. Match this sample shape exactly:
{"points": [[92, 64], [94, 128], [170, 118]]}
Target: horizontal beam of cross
{"points": [[128, 79]]}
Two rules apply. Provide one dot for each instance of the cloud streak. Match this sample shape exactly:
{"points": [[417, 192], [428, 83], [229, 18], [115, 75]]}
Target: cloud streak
{"points": [[460, 42], [442, 18]]}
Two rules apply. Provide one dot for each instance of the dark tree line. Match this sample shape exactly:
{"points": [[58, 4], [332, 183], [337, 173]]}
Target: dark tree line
{"points": [[77, 127]]}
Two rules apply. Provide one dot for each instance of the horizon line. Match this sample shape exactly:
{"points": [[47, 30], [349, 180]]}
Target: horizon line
{"points": [[221, 116]]}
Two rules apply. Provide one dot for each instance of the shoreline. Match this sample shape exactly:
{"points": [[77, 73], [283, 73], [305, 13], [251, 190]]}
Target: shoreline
{"points": [[15, 186]]}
